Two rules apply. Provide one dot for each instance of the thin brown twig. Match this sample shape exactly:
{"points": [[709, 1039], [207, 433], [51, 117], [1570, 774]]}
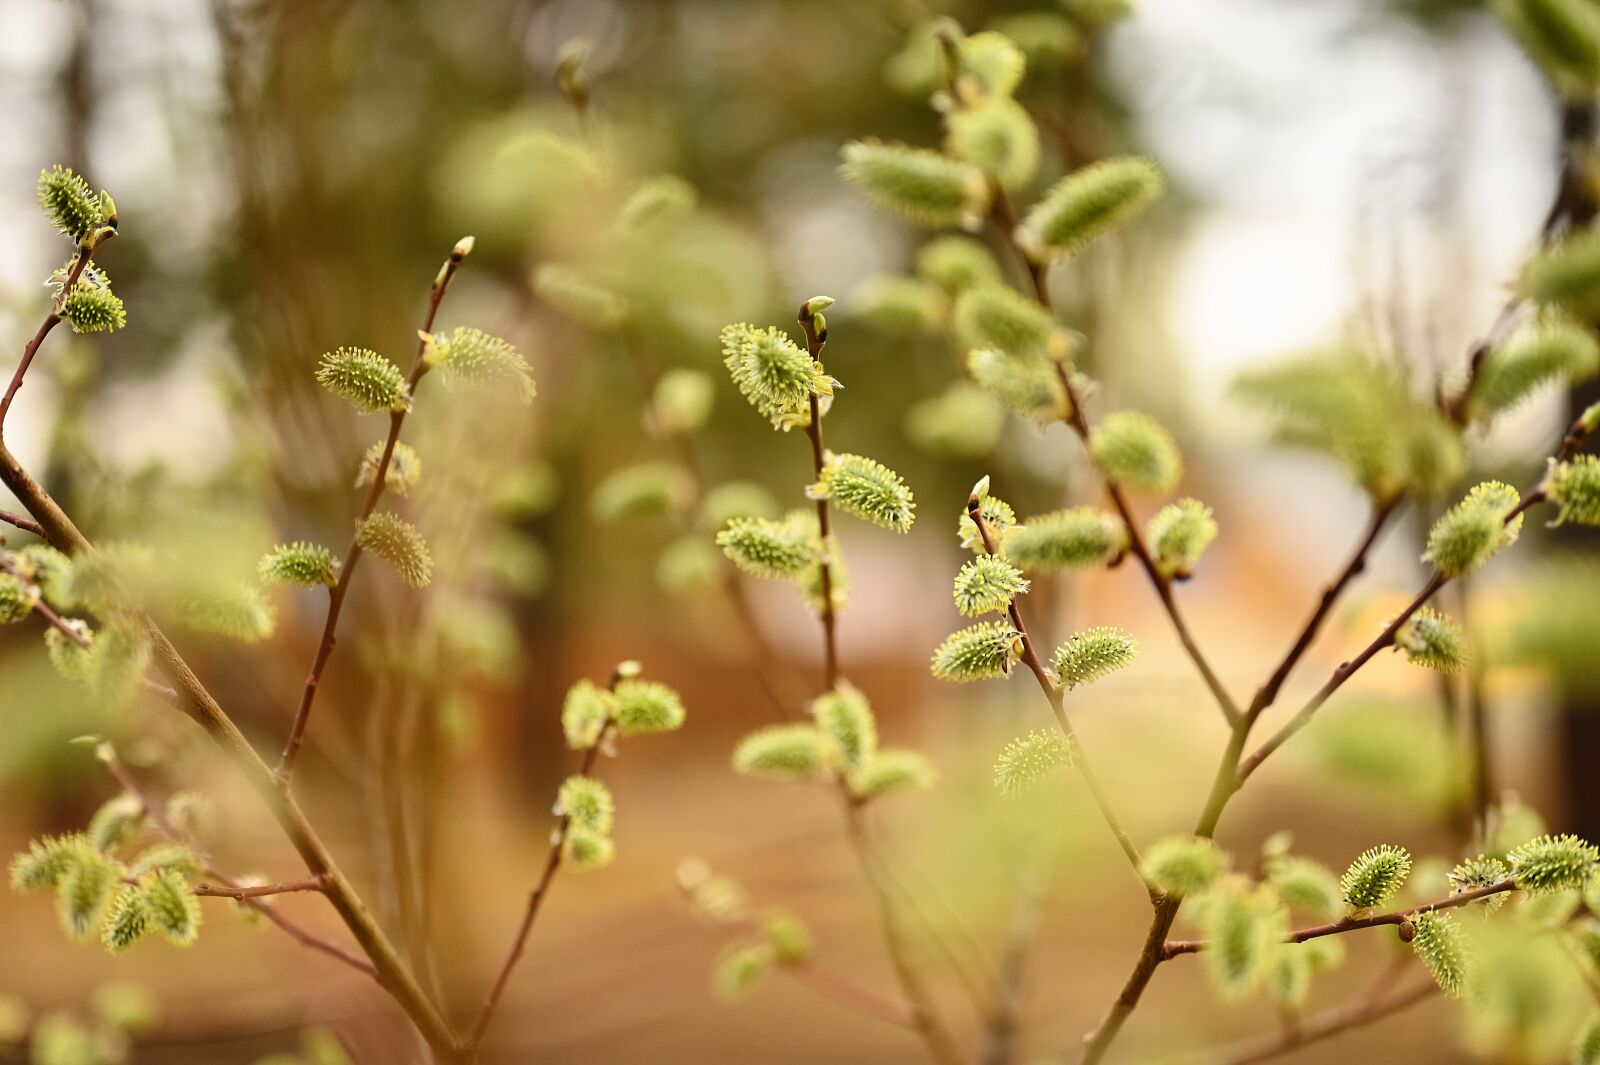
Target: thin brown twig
{"points": [[1365, 1010], [341, 589], [815, 341], [80, 259], [27, 525], [241, 892]]}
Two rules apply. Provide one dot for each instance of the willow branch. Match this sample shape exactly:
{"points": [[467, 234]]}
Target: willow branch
{"points": [[815, 341], [240, 892], [341, 589], [27, 525], [80, 259], [1334, 1022]]}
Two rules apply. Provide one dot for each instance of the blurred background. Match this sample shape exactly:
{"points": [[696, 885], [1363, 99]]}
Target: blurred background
{"points": [[289, 176]]}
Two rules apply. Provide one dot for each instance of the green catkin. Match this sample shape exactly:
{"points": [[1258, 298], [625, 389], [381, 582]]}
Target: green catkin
{"points": [[585, 850], [891, 771], [919, 185], [174, 908], [397, 542], [788, 937], [981, 652], [997, 515], [1090, 202], [128, 921], [1305, 884], [1028, 759], [1183, 865], [956, 263], [580, 297], [845, 720], [1075, 538], [93, 309], [1433, 640], [1566, 275], [1468, 534], [963, 421], [995, 315], [72, 207], [1092, 654], [1375, 876], [168, 857], [17, 599], [1179, 534], [775, 375], [987, 584], [1554, 347], [1481, 872], [51, 570], [471, 356], [403, 473], [762, 547], [1245, 929], [1586, 1044], [1134, 449], [647, 706], [998, 137], [1442, 946], [645, 490], [740, 970], [72, 659], [307, 565], [585, 713], [364, 379], [794, 752], [1574, 487], [657, 199], [682, 401], [236, 610], [84, 891], [1026, 384], [991, 63], [115, 824], [47, 859], [868, 490], [901, 306], [1553, 863], [588, 804]]}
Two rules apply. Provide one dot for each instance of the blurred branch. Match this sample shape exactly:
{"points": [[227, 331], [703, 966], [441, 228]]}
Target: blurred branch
{"points": [[27, 525]]}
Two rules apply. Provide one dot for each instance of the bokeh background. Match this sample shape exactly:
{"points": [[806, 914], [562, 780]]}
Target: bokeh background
{"points": [[289, 174]]}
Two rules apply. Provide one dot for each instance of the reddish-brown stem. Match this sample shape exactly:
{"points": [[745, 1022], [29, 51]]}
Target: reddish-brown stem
{"points": [[852, 996], [1363, 1011], [1175, 947], [341, 589], [519, 943], [1053, 694], [815, 341], [79, 260], [240, 892], [25, 524]]}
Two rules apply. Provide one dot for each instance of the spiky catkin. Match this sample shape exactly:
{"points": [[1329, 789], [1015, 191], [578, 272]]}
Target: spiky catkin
{"points": [[995, 315], [233, 609], [174, 908], [585, 851], [45, 862], [405, 467], [115, 824], [647, 706], [168, 857], [1305, 884], [93, 309], [990, 62], [998, 137], [986, 585], [644, 490], [867, 489], [84, 891], [1089, 202], [891, 771], [50, 570], [587, 803], [1183, 865], [919, 185], [1553, 347], [471, 356], [1026, 384], [1094, 653], [1439, 942], [795, 752], [128, 921], [1375, 876], [1075, 538], [773, 373], [774, 549], [17, 598], [979, 652], [1574, 487], [72, 658], [365, 379], [1566, 274], [398, 543], [118, 661], [1481, 872], [1553, 863], [585, 713], [1133, 448], [1179, 534], [845, 719], [956, 263], [1026, 760], [1244, 928], [581, 297], [299, 563], [1434, 640], [71, 205], [1468, 534], [997, 515]]}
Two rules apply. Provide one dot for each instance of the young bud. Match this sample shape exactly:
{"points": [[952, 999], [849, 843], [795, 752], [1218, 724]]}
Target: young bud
{"points": [[793, 752], [70, 204], [987, 584], [1481, 872], [1375, 876], [981, 652], [774, 374], [1433, 640], [845, 719], [1092, 201], [1551, 348], [998, 137], [1589, 420], [585, 713], [93, 309], [867, 489], [1468, 534], [397, 542], [586, 851], [994, 315], [1566, 274], [1134, 449], [587, 804], [1183, 865], [740, 971], [1092, 654], [1028, 759], [474, 357], [1179, 534], [919, 185], [646, 706], [997, 516], [788, 937], [1574, 487], [299, 563], [581, 298], [365, 379], [405, 467], [1553, 863], [780, 550], [1442, 947], [890, 771], [647, 490], [174, 909], [1075, 538], [463, 248], [956, 263]]}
